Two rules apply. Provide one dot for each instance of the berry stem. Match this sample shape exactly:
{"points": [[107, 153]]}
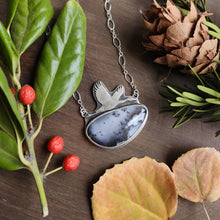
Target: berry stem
{"points": [[29, 116], [47, 163], [53, 171]]}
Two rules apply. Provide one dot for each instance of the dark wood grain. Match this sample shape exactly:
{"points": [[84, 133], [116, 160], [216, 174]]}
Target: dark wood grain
{"points": [[69, 194]]}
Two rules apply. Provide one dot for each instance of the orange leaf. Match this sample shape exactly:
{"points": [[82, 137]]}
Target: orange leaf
{"points": [[197, 175], [140, 189]]}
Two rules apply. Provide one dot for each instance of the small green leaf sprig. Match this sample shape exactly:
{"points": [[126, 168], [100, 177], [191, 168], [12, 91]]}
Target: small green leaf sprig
{"points": [[200, 102], [58, 74]]}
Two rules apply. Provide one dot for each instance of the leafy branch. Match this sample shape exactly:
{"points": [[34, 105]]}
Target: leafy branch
{"points": [[58, 75], [200, 102]]}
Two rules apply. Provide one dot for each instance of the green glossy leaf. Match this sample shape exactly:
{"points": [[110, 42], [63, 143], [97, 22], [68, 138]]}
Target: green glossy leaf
{"points": [[61, 64], [8, 50], [5, 122], [12, 6], [9, 159], [209, 91], [10, 116], [30, 20]]}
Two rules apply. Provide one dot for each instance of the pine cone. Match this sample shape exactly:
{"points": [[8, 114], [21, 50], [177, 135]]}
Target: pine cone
{"points": [[180, 40]]}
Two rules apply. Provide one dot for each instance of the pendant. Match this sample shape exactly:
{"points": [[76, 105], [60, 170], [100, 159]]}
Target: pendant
{"points": [[117, 119]]}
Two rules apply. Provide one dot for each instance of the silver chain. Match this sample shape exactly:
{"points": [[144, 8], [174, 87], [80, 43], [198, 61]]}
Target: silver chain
{"points": [[82, 109], [117, 44], [121, 60]]}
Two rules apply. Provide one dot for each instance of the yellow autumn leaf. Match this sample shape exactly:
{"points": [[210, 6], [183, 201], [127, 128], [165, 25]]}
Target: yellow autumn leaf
{"points": [[197, 175], [137, 189]]}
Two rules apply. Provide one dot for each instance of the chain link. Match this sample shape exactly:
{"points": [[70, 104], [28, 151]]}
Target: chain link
{"points": [[77, 98], [117, 44]]}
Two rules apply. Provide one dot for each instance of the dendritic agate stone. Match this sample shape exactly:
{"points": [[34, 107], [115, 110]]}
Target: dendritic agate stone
{"points": [[117, 127]]}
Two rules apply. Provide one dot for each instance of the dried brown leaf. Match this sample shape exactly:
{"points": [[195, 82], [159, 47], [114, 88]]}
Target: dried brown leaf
{"points": [[150, 26], [197, 175], [200, 34], [211, 66], [178, 33], [207, 51], [152, 47], [187, 54], [192, 16], [136, 189], [161, 60], [162, 25], [157, 39], [174, 61], [171, 12]]}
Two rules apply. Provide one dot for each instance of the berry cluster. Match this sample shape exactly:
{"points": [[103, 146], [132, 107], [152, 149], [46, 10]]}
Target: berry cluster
{"points": [[55, 145]]}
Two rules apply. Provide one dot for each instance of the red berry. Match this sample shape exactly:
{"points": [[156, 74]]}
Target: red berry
{"points": [[71, 162], [24, 147], [13, 91], [26, 94], [55, 144]]}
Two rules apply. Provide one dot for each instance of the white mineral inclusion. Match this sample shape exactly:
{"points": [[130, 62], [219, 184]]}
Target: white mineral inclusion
{"points": [[117, 127]]}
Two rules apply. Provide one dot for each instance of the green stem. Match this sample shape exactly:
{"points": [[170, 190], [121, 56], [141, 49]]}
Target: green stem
{"points": [[53, 171], [21, 155], [38, 178], [32, 162], [18, 74]]}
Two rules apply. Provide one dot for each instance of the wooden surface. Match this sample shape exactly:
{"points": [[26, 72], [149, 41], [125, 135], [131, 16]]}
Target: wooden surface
{"points": [[69, 194]]}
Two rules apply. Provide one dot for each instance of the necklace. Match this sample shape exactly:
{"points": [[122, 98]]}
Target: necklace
{"points": [[117, 119]]}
